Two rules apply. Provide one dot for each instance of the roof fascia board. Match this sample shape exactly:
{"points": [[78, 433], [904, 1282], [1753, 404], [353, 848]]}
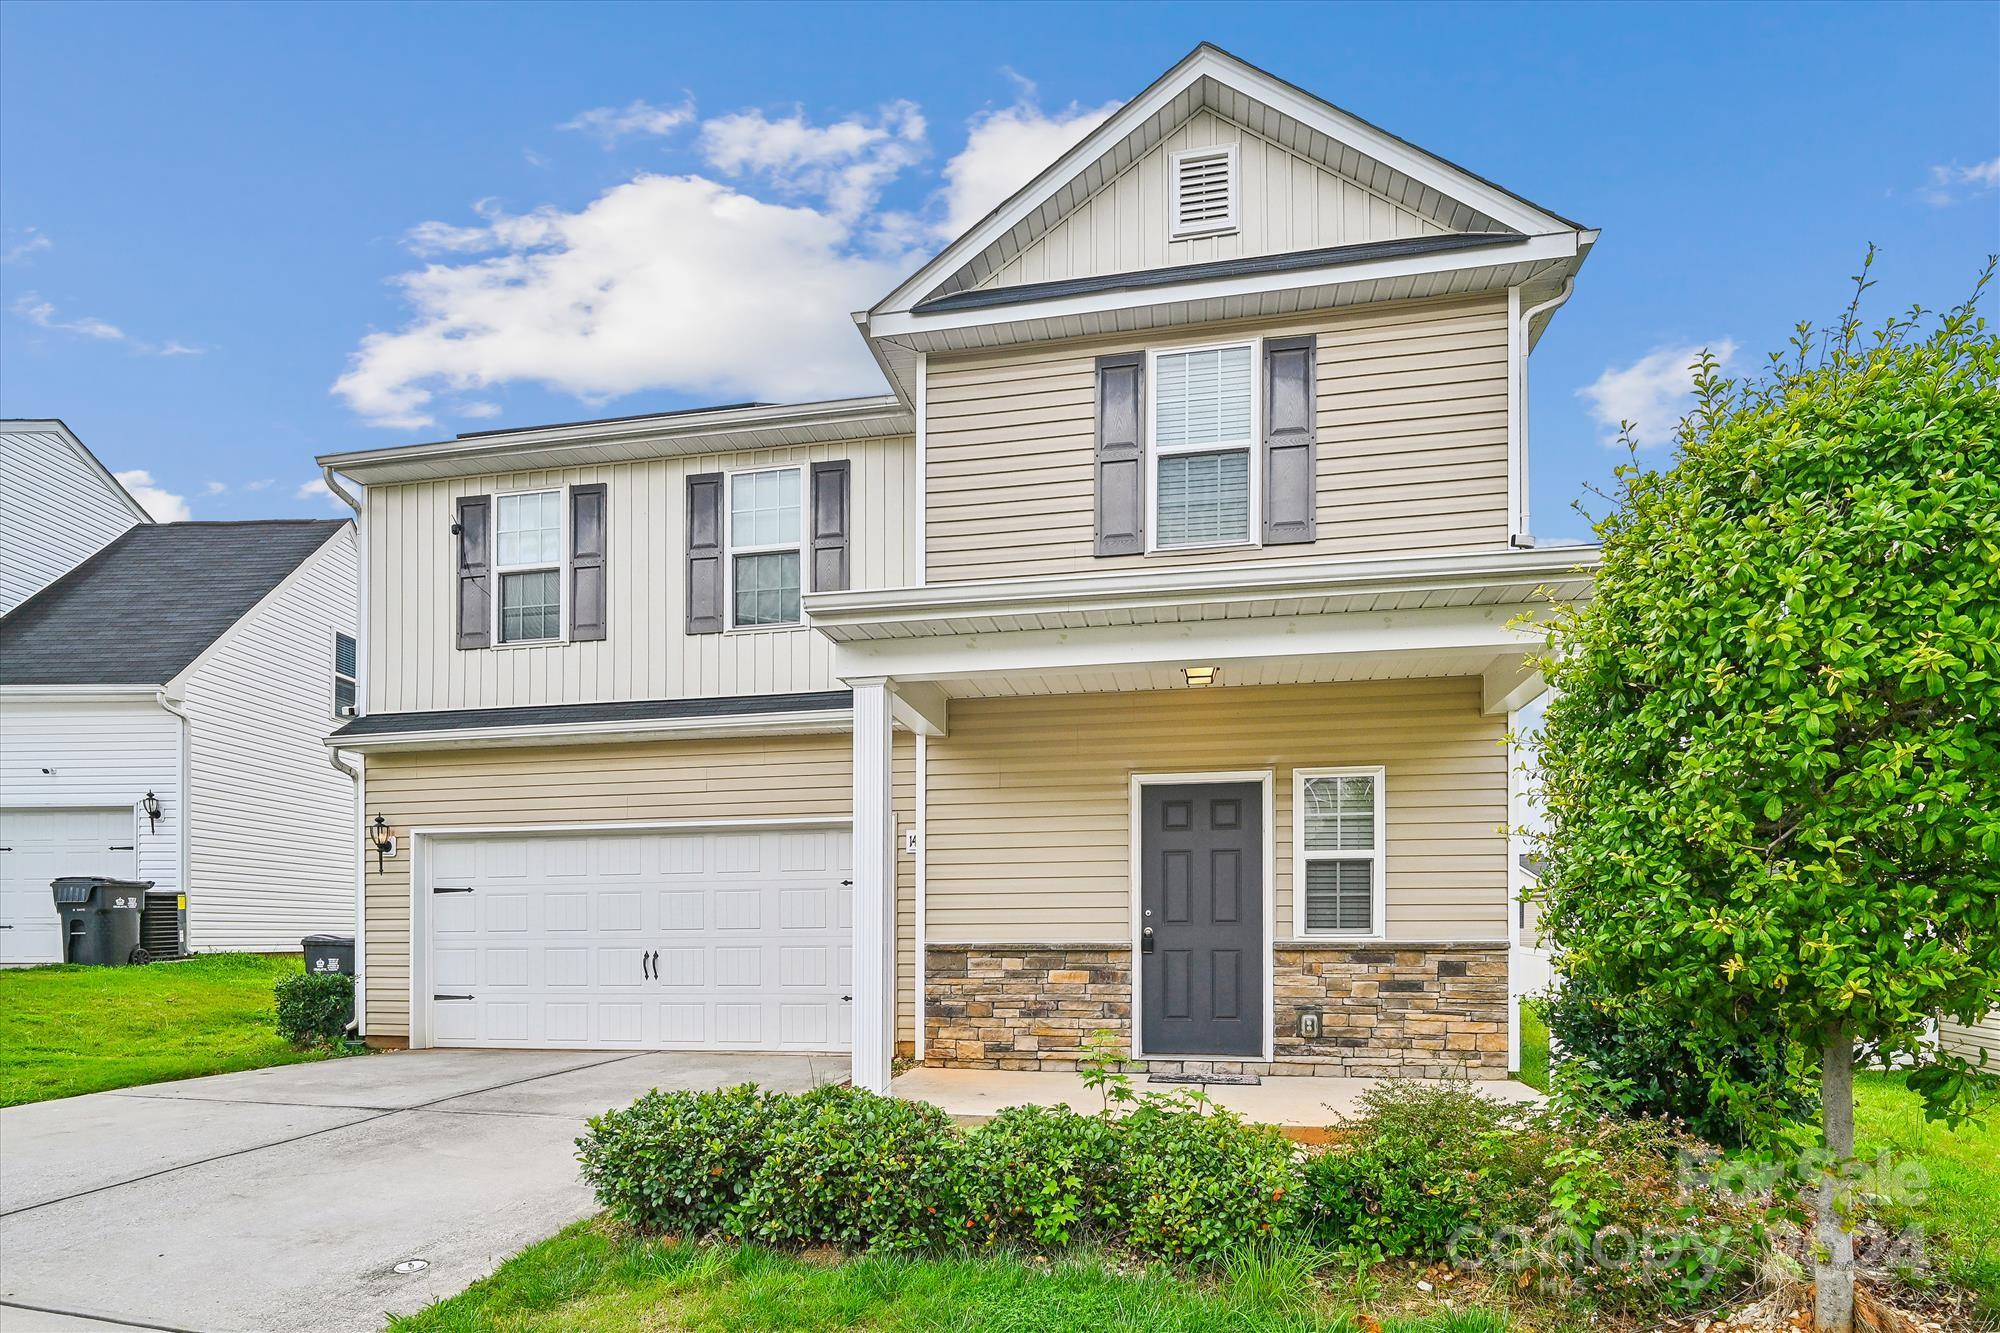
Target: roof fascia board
{"points": [[598, 733], [81, 450], [34, 694], [1529, 249], [1207, 61], [176, 688]]}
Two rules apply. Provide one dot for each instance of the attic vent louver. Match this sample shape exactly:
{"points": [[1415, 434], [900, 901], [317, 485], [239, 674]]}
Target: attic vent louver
{"points": [[1204, 188]]}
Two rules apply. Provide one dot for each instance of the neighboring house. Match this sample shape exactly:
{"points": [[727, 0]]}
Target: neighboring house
{"points": [[58, 506], [1141, 662], [192, 668], [1970, 1042]]}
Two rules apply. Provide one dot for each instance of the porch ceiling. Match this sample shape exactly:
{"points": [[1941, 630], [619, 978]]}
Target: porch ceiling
{"points": [[1267, 671]]}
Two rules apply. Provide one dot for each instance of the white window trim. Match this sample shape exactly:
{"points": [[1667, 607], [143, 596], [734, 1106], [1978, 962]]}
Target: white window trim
{"points": [[337, 675], [730, 550], [1378, 857], [560, 566], [1223, 226], [1154, 452]]}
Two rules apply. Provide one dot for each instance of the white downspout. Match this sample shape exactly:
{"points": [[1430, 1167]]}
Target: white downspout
{"points": [[185, 798], [1518, 482], [358, 772]]}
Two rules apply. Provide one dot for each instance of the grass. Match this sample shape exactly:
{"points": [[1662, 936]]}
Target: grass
{"points": [[1534, 1070], [597, 1276], [1959, 1206], [68, 1030]]}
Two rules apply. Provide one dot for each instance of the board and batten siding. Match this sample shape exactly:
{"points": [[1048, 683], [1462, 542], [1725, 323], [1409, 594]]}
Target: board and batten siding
{"points": [[1412, 444], [56, 511], [1285, 202], [102, 755], [271, 842], [1028, 807], [414, 665], [700, 780]]}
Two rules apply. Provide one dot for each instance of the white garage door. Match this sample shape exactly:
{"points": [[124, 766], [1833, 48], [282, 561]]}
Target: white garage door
{"points": [[720, 941], [37, 846]]}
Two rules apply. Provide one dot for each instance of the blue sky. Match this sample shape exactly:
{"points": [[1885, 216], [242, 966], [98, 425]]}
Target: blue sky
{"points": [[237, 236]]}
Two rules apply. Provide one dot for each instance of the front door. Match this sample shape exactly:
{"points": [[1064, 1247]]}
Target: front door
{"points": [[1201, 923]]}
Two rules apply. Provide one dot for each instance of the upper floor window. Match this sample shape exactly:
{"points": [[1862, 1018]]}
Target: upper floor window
{"points": [[1337, 862], [527, 530], [765, 536], [343, 675], [1203, 182], [1204, 433]]}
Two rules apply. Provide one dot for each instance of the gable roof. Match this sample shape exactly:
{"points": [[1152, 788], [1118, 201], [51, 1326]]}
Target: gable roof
{"points": [[1210, 77], [26, 429], [146, 606]]}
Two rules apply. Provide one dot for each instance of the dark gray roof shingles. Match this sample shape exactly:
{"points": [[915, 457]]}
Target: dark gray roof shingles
{"points": [[141, 609]]}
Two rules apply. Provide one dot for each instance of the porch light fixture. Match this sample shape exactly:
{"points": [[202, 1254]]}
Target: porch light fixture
{"points": [[1199, 676], [384, 842], [150, 804]]}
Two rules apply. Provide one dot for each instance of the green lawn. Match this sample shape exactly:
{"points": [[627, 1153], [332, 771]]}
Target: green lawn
{"points": [[596, 1276], [68, 1030], [1534, 1070], [1959, 1207]]}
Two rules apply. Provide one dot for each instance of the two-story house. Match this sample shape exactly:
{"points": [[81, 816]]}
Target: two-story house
{"points": [[1143, 661]]}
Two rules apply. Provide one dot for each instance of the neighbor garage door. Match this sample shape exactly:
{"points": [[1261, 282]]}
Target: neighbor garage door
{"points": [[720, 941], [37, 846]]}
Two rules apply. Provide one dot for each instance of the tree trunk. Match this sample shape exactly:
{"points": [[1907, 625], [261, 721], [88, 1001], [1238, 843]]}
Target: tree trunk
{"points": [[1833, 1271]]}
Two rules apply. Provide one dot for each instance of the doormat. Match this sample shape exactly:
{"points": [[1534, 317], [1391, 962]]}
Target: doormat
{"points": [[1227, 1080]]}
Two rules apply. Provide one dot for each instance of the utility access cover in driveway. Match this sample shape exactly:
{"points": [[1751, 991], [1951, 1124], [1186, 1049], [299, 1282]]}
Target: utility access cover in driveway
{"points": [[285, 1199]]}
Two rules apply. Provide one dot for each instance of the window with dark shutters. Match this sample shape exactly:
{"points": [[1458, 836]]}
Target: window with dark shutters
{"points": [[704, 554], [1121, 454], [588, 541], [1290, 470], [475, 568], [831, 485]]}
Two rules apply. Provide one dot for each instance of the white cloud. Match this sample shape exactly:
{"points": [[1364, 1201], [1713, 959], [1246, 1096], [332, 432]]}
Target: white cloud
{"points": [[31, 241], [162, 504], [261, 484], [665, 282], [478, 411], [1004, 150], [846, 163], [1653, 393], [317, 489], [214, 487], [610, 123], [43, 314], [1951, 182]]}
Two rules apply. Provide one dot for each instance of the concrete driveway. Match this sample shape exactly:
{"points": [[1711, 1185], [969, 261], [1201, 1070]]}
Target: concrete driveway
{"points": [[283, 1199]]}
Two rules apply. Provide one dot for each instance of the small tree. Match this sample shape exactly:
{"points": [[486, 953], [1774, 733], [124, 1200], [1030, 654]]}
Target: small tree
{"points": [[1772, 767]]}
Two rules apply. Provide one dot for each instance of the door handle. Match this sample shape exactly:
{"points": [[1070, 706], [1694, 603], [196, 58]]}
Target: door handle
{"points": [[1146, 940], [656, 964], [644, 970]]}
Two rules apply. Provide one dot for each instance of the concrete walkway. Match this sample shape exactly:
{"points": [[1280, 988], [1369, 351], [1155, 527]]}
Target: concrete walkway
{"points": [[283, 1199]]}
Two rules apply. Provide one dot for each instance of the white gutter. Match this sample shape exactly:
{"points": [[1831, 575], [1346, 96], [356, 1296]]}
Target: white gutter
{"points": [[545, 733], [76, 693], [1517, 481]]}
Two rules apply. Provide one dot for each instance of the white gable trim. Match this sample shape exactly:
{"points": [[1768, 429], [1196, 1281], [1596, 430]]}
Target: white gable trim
{"points": [[51, 426], [1209, 62]]}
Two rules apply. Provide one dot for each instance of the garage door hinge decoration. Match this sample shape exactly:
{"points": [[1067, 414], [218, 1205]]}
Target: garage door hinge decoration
{"points": [[451, 997]]}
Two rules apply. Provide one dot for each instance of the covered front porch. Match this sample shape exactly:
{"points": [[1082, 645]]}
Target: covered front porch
{"points": [[1242, 821]]}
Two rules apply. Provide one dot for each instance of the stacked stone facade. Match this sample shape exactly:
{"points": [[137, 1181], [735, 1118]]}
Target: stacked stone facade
{"points": [[1418, 1011]]}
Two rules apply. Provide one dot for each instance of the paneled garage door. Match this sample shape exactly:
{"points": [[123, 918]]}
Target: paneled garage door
{"points": [[671, 941], [37, 846]]}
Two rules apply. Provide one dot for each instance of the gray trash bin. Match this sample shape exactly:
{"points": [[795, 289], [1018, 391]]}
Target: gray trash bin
{"points": [[100, 919], [329, 953]]}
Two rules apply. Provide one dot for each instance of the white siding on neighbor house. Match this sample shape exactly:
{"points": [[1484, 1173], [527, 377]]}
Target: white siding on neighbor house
{"points": [[271, 842], [56, 511], [1285, 202], [103, 755], [414, 665], [1970, 1041]]}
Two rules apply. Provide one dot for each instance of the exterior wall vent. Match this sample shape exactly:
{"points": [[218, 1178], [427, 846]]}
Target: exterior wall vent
{"points": [[1205, 191]]}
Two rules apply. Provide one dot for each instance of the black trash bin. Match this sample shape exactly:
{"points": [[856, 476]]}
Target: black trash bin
{"points": [[100, 919], [329, 953]]}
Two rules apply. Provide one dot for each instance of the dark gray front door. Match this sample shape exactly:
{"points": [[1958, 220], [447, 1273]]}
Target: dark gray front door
{"points": [[1201, 905]]}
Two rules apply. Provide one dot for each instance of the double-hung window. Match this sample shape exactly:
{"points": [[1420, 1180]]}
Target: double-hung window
{"points": [[1204, 432], [527, 548], [343, 675], [1337, 852], [765, 531]]}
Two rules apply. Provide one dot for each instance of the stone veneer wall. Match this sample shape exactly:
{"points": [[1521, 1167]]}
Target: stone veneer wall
{"points": [[1420, 1011]]}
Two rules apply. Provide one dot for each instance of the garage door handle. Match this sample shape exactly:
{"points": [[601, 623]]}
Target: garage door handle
{"points": [[644, 968]]}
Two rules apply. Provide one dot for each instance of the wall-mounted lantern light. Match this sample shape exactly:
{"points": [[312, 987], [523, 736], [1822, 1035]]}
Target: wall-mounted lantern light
{"points": [[384, 841], [151, 806]]}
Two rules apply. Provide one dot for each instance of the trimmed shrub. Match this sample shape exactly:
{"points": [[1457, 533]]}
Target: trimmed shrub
{"points": [[1042, 1176], [314, 1008], [1196, 1181], [679, 1161]]}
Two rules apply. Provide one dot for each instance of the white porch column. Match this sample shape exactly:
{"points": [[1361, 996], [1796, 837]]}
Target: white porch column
{"points": [[874, 886]]}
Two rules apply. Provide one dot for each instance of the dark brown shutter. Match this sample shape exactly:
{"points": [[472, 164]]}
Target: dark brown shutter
{"points": [[588, 521], [1290, 475], [830, 485], [475, 571], [1121, 454], [704, 554]]}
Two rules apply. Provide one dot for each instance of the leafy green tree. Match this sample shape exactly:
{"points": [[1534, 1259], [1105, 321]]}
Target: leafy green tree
{"points": [[1772, 768]]}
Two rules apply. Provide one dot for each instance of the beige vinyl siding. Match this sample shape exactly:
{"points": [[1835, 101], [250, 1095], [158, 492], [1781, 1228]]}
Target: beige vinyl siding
{"points": [[1028, 805], [720, 780], [1285, 202], [1970, 1041], [1412, 426], [414, 665]]}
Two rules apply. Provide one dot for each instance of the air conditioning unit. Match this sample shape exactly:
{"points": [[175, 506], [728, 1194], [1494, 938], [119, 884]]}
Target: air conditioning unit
{"points": [[163, 924]]}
